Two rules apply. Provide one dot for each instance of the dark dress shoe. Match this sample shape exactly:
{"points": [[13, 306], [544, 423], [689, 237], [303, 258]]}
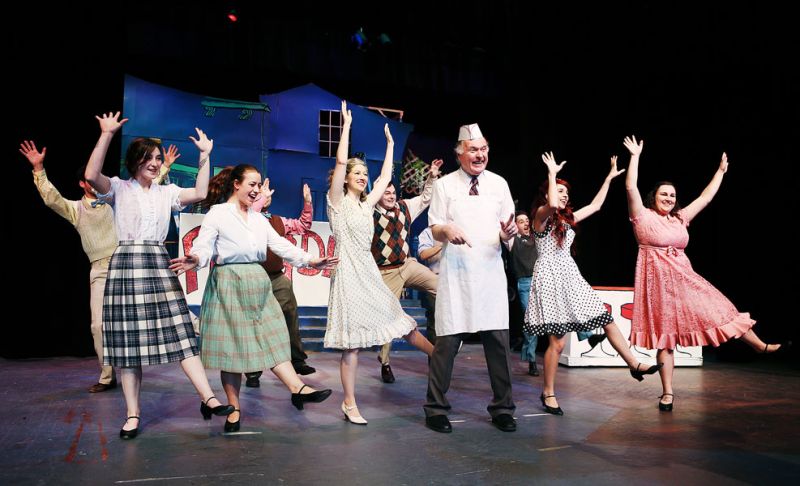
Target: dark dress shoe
{"points": [[665, 407], [101, 387], [252, 379], [303, 369], [386, 373], [439, 423], [219, 410], [595, 339], [638, 374], [532, 369], [298, 399], [129, 434], [548, 408], [233, 426], [505, 422]]}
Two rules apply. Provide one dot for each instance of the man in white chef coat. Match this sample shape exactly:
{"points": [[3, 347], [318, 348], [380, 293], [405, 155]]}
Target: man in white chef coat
{"points": [[471, 212]]}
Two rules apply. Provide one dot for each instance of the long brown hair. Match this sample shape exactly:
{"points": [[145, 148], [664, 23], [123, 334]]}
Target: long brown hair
{"points": [[220, 187], [558, 218]]}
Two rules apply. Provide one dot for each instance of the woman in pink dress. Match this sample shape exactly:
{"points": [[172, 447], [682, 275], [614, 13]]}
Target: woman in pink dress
{"points": [[673, 305]]}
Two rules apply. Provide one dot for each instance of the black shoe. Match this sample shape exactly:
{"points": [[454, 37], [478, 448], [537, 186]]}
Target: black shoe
{"points": [[233, 426], [252, 379], [532, 369], [386, 373], [101, 387], [548, 408], [219, 410], [665, 407], [303, 369], [782, 351], [129, 434], [638, 375], [439, 423], [298, 399], [596, 339], [505, 422]]}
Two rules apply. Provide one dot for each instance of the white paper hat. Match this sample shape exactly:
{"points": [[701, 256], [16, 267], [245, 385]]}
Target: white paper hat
{"points": [[469, 132]]}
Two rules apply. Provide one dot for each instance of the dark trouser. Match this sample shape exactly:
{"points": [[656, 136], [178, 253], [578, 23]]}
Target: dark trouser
{"points": [[282, 289], [429, 304], [495, 348]]}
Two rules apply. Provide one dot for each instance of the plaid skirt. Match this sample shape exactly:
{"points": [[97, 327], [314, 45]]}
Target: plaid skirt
{"points": [[242, 326], [145, 317]]}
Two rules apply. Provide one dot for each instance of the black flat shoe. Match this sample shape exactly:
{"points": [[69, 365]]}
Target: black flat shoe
{"points": [[532, 369], [665, 407], [298, 399], [233, 426], [219, 410], [505, 422], [439, 423], [638, 374], [129, 434], [548, 408], [386, 372]]}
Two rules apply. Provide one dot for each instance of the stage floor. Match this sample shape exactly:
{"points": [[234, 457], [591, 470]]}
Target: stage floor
{"points": [[732, 424]]}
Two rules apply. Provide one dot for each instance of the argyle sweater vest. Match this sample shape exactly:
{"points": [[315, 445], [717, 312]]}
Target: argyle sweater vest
{"points": [[390, 239]]}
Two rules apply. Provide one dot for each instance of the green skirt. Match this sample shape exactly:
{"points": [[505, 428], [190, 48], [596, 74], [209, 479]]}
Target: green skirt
{"points": [[242, 327]]}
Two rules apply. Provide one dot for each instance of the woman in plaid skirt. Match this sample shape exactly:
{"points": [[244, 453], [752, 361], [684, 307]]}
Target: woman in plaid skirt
{"points": [[243, 328], [145, 316]]}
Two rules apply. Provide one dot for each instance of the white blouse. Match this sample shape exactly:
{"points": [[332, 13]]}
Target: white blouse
{"points": [[226, 237], [140, 214]]}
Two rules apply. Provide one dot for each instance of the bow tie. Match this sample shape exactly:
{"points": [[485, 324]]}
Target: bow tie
{"points": [[97, 202]]}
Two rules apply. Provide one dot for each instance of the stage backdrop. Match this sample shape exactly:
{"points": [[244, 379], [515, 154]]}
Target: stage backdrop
{"points": [[619, 302]]}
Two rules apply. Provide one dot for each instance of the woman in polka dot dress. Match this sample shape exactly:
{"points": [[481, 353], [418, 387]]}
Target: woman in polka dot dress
{"points": [[561, 300], [673, 305]]}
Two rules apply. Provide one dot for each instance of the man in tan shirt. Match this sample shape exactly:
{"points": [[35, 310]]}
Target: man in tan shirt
{"points": [[94, 222]]}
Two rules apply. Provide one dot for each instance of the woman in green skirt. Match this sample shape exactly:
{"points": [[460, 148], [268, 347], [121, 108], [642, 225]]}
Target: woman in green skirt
{"points": [[242, 326]]}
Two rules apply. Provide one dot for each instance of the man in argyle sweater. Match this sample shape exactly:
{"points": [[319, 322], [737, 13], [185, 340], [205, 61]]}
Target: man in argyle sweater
{"points": [[390, 249]]}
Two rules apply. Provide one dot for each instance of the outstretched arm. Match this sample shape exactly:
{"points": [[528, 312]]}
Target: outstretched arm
{"points": [[386, 170], [109, 125], [545, 211], [200, 189], [335, 192], [689, 212], [600, 198], [635, 204]]}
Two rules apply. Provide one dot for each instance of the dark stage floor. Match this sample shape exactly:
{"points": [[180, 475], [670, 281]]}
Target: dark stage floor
{"points": [[732, 424]]}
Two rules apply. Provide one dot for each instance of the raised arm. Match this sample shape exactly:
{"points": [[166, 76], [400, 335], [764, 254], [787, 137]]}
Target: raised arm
{"points": [[200, 189], [689, 212], [380, 185], [600, 198], [335, 192], [302, 224], [170, 156], [416, 205], [109, 125], [50, 195], [545, 211], [635, 205]]}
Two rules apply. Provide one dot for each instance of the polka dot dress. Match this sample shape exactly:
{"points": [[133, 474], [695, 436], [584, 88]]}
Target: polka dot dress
{"points": [[561, 300]]}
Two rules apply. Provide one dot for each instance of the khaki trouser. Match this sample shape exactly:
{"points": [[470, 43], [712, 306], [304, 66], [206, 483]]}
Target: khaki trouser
{"points": [[411, 274], [97, 286]]}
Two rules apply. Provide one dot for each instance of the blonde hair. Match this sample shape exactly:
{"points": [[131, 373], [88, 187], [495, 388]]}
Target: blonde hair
{"points": [[351, 164]]}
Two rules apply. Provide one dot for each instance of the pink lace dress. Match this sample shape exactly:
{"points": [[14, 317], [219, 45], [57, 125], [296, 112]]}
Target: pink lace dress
{"points": [[672, 304]]}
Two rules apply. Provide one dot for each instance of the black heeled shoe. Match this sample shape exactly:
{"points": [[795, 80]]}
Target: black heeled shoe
{"points": [[233, 426], [665, 407], [219, 410], [638, 374], [130, 434], [782, 351], [298, 399], [548, 408]]}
